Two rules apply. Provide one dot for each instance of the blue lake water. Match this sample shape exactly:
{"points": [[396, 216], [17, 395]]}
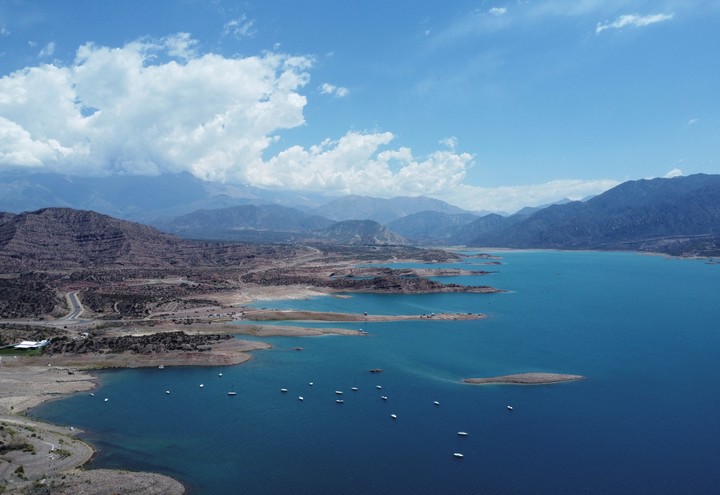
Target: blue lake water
{"points": [[644, 330]]}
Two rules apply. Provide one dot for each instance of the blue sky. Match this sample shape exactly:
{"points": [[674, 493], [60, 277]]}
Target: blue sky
{"points": [[489, 105]]}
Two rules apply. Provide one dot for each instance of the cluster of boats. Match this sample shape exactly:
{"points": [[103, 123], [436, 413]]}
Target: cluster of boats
{"points": [[394, 416], [339, 400]]}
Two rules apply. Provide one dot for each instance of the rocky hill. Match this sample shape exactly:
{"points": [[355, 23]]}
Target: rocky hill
{"points": [[679, 216], [66, 239]]}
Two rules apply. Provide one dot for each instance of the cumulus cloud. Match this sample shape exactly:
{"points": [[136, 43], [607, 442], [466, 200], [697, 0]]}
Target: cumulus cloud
{"points": [[331, 89], [155, 106], [676, 172], [359, 163], [632, 20], [498, 10], [120, 110]]}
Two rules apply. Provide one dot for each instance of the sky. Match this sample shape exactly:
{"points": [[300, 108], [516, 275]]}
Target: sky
{"points": [[488, 105]]}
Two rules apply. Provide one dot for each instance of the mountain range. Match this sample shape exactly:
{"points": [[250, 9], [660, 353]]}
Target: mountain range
{"points": [[160, 199], [679, 216]]}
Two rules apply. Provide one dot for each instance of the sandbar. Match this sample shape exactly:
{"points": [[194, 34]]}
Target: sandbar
{"points": [[525, 379]]}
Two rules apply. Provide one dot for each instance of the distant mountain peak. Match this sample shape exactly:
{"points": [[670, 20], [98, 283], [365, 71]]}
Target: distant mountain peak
{"points": [[679, 215]]}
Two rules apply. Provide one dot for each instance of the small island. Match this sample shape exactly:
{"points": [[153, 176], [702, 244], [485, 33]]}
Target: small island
{"points": [[525, 379]]}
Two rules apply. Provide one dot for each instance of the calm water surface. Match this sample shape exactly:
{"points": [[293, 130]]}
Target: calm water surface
{"points": [[644, 330]]}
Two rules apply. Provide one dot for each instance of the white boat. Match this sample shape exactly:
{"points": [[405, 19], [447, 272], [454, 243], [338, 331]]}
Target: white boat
{"points": [[338, 392], [106, 399], [458, 455], [436, 403], [378, 387], [219, 374], [354, 389], [202, 385], [311, 384], [462, 433], [301, 398], [92, 394], [339, 401], [167, 391], [510, 408], [283, 390], [383, 397], [161, 367], [232, 393], [393, 416]]}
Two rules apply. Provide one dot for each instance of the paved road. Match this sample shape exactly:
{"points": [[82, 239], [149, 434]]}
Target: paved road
{"points": [[76, 307]]}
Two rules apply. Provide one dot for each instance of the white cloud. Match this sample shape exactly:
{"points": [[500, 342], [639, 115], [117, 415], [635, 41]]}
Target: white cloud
{"points": [[181, 45], [512, 198], [47, 50], [331, 89], [498, 11], [693, 121], [157, 106], [120, 110], [242, 27], [632, 20], [450, 142], [676, 172], [358, 163]]}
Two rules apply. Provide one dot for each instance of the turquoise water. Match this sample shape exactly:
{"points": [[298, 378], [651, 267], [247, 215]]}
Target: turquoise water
{"points": [[644, 330]]}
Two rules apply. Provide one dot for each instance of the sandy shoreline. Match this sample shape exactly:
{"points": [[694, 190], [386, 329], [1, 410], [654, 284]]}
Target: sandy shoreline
{"points": [[40, 454]]}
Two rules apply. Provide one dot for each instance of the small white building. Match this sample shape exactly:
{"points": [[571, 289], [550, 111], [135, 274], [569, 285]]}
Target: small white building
{"points": [[31, 344]]}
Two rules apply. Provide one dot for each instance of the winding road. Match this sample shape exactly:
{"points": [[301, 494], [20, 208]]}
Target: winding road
{"points": [[76, 308]]}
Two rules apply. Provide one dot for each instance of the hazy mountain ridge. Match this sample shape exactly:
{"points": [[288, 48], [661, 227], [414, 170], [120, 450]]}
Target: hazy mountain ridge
{"points": [[354, 207], [160, 199], [279, 224], [359, 232], [432, 227], [479, 226], [147, 199], [248, 221], [678, 216]]}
